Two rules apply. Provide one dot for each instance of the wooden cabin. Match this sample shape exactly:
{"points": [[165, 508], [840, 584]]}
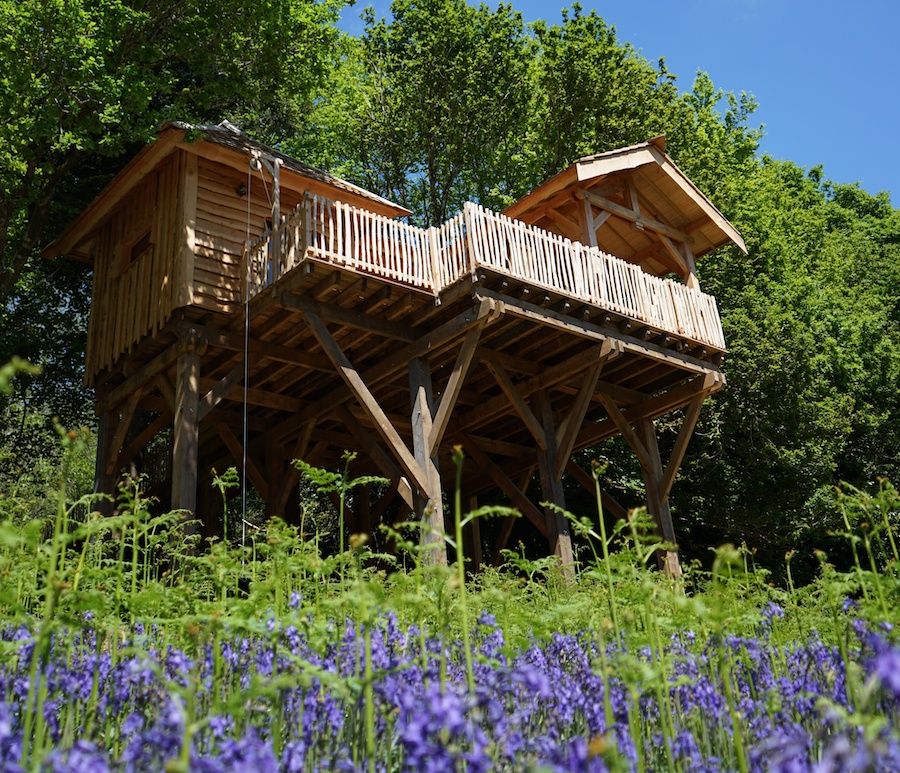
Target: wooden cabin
{"points": [[256, 310]]}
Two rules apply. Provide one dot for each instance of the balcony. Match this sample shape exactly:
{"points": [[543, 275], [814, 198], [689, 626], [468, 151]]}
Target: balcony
{"points": [[475, 243]]}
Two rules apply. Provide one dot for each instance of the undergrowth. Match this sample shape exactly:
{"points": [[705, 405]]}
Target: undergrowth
{"points": [[126, 645]]}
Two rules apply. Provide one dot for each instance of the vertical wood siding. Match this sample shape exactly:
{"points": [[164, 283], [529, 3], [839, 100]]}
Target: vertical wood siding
{"points": [[134, 296]]}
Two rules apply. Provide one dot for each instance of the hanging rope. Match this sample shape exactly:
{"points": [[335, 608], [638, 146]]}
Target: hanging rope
{"points": [[245, 436], [246, 432]]}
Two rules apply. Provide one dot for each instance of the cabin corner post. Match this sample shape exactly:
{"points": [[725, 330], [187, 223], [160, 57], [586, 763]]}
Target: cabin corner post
{"points": [[187, 218], [558, 534], [186, 425], [429, 503]]}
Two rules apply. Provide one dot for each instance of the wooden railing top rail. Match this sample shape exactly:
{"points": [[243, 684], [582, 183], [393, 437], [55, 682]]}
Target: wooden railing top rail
{"points": [[432, 259]]}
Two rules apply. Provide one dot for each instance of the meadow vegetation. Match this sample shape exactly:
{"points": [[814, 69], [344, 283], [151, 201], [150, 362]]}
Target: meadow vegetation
{"points": [[123, 645], [126, 647]]}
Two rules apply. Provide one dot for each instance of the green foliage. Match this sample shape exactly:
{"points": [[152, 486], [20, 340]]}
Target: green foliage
{"points": [[813, 363], [437, 103]]}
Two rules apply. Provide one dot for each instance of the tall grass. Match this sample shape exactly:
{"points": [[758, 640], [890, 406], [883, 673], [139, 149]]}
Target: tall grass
{"points": [[123, 643]]}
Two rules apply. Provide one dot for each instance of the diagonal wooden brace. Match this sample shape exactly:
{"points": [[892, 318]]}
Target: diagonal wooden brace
{"points": [[369, 404], [454, 385]]}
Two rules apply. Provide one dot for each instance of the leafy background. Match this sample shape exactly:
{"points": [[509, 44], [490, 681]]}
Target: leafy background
{"points": [[440, 103]]}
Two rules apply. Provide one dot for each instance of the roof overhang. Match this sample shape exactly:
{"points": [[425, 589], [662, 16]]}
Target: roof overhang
{"points": [[215, 144], [657, 179]]}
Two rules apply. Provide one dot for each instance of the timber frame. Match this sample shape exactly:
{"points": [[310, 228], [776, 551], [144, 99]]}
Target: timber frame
{"points": [[337, 327]]}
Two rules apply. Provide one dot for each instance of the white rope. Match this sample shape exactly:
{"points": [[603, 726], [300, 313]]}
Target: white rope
{"points": [[245, 437]]}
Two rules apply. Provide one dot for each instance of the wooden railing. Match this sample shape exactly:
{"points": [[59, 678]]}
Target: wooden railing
{"points": [[432, 259], [545, 259]]}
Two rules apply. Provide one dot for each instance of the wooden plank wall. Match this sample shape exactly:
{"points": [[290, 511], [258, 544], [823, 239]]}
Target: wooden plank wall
{"points": [[134, 298], [221, 230], [186, 199]]}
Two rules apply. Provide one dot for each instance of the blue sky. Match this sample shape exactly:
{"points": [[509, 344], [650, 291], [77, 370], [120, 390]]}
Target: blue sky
{"points": [[826, 74]]}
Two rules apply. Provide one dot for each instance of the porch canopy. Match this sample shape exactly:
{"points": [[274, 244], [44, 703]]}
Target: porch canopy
{"points": [[634, 203]]}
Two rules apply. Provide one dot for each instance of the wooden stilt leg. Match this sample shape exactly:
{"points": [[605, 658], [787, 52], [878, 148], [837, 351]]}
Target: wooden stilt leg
{"points": [[656, 505], [104, 482], [363, 510], [551, 488], [431, 509], [186, 433]]}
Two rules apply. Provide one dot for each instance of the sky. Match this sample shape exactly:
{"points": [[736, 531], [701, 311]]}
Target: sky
{"points": [[826, 74]]}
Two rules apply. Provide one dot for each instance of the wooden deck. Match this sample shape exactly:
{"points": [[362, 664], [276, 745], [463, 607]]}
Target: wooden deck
{"points": [[475, 243]]}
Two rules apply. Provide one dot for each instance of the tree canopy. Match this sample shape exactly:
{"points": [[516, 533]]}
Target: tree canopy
{"points": [[442, 102]]}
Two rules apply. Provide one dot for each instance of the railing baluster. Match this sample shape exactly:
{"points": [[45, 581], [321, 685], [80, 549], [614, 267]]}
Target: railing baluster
{"points": [[435, 258]]}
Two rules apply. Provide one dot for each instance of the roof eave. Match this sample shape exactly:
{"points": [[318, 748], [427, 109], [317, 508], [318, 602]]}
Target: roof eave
{"points": [[139, 166]]}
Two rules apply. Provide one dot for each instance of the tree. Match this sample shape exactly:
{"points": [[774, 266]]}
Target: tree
{"points": [[85, 80], [438, 101]]}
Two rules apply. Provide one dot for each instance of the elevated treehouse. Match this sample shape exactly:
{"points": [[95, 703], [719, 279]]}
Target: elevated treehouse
{"points": [[251, 310]]}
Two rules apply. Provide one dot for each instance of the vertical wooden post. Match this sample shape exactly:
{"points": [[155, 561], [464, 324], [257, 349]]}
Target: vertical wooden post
{"points": [[186, 431], [691, 279], [104, 482], [430, 505], [551, 487], [187, 214], [657, 505], [588, 229]]}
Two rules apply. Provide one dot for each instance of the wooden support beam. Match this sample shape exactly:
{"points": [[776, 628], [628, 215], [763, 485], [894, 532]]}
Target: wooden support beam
{"points": [[104, 482], [584, 329], [187, 225], [503, 482], [350, 318], [545, 379], [431, 508], [691, 415], [570, 229], [675, 253], [691, 279], [635, 217], [518, 402], [628, 432], [609, 503], [186, 432], [454, 385], [166, 388], [473, 550], [292, 476], [398, 361], [218, 393], [360, 390], [635, 204], [146, 373], [237, 453], [143, 438], [568, 430], [551, 487], [267, 350], [376, 453], [655, 406], [123, 424], [588, 232], [509, 522], [656, 506], [261, 397]]}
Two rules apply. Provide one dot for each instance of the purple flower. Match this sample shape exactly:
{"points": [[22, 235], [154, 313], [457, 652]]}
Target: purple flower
{"points": [[887, 669]]}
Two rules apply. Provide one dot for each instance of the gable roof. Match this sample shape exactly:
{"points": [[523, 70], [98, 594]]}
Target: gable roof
{"points": [[223, 142], [657, 178]]}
